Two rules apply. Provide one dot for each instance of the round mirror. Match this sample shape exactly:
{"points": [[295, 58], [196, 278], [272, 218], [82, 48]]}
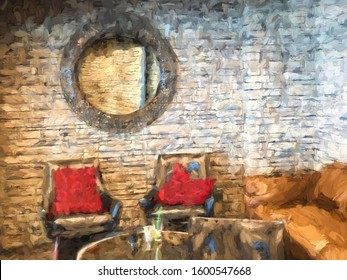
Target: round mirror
{"points": [[118, 74]]}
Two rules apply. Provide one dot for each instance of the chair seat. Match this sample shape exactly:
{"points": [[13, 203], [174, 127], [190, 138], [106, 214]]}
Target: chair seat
{"points": [[82, 224], [83, 220], [179, 212]]}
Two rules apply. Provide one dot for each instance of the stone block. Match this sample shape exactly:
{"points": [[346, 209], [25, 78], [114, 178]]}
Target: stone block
{"points": [[252, 86], [276, 67], [9, 242], [252, 68], [251, 56]]}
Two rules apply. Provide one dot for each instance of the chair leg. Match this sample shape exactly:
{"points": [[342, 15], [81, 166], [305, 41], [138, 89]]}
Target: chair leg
{"points": [[56, 248]]}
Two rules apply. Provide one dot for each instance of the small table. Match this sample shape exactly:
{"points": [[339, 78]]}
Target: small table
{"points": [[236, 239], [121, 246]]}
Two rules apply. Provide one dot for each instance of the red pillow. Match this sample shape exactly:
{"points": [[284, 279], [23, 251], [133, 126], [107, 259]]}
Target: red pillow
{"points": [[183, 190], [76, 191]]}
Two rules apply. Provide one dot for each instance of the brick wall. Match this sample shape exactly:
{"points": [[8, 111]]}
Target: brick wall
{"points": [[331, 81], [250, 93]]}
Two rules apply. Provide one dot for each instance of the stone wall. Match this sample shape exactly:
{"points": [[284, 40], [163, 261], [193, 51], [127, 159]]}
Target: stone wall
{"points": [[294, 85], [331, 81], [252, 92]]}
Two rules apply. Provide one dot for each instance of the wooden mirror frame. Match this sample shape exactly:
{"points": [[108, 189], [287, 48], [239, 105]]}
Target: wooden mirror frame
{"points": [[121, 25]]}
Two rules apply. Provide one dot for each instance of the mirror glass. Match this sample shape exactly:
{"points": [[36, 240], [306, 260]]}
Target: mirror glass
{"points": [[118, 75]]}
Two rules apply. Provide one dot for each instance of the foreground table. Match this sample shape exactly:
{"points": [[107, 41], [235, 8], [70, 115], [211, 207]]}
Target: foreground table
{"points": [[206, 239], [174, 246]]}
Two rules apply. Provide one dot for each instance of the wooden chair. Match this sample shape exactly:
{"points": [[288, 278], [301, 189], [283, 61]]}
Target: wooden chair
{"points": [[77, 225], [176, 217]]}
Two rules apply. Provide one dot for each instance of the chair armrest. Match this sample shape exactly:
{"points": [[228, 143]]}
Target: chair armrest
{"points": [[114, 205], [208, 206], [147, 202], [115, 211], [53, 229]]}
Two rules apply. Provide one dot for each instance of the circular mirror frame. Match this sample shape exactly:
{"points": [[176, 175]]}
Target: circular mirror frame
{"points": [[122, 25]]}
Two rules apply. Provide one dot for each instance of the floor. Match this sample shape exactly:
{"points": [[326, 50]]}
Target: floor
{"points": [[67, 251], [42, 252]]}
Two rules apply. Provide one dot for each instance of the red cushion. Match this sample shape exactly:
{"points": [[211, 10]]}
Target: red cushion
{"points": [[183, 190], [76, 191]]}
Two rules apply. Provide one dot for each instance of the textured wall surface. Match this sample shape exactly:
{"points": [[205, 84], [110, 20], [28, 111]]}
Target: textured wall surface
{"points": [[331, 82], [261, 88]]}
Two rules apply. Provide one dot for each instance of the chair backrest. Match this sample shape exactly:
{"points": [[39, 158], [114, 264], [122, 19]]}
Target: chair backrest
{"points": [[166, 162], [50, 169]]}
